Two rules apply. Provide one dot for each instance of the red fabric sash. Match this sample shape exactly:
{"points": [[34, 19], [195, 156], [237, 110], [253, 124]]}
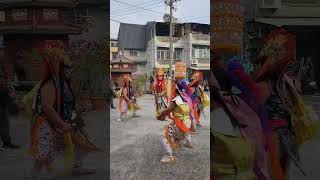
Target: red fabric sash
{"points": [[180, 124]]}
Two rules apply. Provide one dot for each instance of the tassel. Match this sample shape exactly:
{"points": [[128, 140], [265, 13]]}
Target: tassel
{"points": [[68, 151], [276, 167]]}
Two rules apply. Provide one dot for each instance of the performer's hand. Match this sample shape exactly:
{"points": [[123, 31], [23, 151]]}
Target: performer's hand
{"points": [[161, 116], [66, 127]]}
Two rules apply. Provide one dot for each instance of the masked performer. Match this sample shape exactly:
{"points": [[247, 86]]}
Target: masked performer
{"points": [[280, 97], [200, 98], [180, 111], [160, 90], [232, 116], [134, 107], [57, 127], [124, 101]]}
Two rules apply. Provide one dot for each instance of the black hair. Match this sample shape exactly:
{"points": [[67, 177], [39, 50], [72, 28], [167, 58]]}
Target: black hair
{"points": [[223, 78]]}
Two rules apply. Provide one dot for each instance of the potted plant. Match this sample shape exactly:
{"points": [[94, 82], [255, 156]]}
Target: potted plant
{"points": [[139, 81], [90, 72]]}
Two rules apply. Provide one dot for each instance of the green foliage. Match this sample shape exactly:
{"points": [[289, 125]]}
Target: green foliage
{"points": [[30, 55], [140, 83], [90, 74]]}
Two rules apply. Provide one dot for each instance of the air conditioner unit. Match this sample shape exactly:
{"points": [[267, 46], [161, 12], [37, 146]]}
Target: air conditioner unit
{"points": [[270, 4], [194, 61]]}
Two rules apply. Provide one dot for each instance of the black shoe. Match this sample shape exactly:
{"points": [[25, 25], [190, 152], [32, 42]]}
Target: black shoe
{"points": [[113, 107], [10, 146]]}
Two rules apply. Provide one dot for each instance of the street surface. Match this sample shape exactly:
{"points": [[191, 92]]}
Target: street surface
{"points": [[309, 152], [136, 149], [16, 164]]}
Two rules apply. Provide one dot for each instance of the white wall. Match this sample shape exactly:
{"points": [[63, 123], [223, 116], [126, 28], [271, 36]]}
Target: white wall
{"points": [[141, 55], [184, 42]]}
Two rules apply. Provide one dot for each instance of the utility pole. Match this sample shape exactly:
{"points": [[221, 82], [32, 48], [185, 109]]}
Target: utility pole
{"points": [[170, 3], [171, 34]]}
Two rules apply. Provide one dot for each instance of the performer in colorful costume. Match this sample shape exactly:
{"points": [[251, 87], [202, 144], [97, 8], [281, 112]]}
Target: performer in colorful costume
{"points": [[201, 100], [281, 99], [56, 126], [180, 111], [127, 100], [160, 90], [124, 100], [285, 119], [237, 149]]}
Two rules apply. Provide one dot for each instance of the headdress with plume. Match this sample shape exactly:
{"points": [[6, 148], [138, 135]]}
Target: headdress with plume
{"points": [[278, 51]]}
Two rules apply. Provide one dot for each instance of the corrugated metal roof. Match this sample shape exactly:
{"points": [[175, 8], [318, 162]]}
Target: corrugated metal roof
{"points": [[121, 59], [132, 36]]}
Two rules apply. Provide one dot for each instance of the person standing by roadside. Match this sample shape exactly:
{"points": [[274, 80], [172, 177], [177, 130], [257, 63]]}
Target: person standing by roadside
{"points": [[151, 87], [7, 95], [112, 92]]}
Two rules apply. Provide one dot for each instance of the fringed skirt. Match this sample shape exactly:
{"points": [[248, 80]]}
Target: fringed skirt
{"points": [[46, 143], [283, 150], [173, 135]]}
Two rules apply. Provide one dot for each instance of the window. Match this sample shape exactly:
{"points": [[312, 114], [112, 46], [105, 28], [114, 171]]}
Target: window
{"points": [[163, 53], [133, 53], [19, 14], [116, 66], [114, 55], [201, 52], [178, 54], [81, 15], [125, 66], [51, 14]]}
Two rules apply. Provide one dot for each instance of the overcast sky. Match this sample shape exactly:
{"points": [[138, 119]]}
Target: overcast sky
{"points": [[197, 11]]}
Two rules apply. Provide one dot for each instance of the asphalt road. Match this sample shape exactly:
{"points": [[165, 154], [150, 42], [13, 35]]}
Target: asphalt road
{"points": [[136, 149], [16, 164], [310, 151]]}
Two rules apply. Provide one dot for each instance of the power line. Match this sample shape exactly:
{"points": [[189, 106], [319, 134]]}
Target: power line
{"points": [[135, 10], [201, 17], [119, 10], [138, 7]]}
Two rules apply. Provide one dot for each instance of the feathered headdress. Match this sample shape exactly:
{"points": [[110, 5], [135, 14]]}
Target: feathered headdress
{"points": [[278, 50], [196, 78]]}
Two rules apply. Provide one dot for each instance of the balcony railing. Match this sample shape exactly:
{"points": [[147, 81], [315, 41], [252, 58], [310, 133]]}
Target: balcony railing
{"points": [[164, 55], [204, 37], [201, 53], [167, 39]]}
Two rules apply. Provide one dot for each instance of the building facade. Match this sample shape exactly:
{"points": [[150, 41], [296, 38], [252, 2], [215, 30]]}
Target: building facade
{"points": [[93, 15], [191, 44], [300, 17], [120, 68], [132, 45], [114, 49], [27, 24]]}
